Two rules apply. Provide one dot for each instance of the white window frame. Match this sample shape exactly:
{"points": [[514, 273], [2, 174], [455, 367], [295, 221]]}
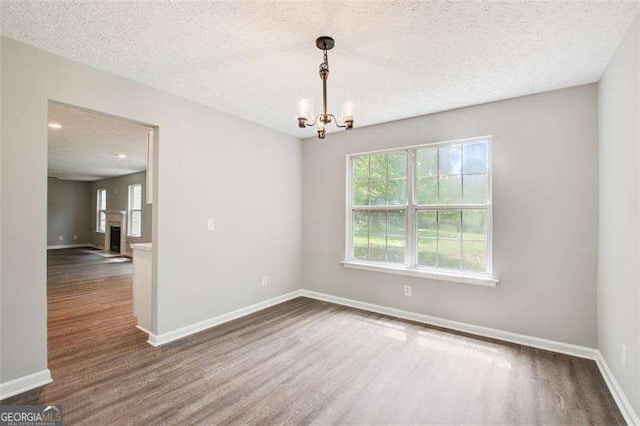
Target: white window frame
{"points": [[99, 210], [130, 209], [410, 266]]}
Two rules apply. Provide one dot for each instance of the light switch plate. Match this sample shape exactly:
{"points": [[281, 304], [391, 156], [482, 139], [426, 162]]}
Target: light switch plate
{"points": [[211, 225]]}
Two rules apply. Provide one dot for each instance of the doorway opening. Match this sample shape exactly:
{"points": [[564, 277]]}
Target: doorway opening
{"points": [[100, 209]]}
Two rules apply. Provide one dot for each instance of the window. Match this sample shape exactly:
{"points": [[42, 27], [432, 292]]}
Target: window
{"points": [[424, 210], [101, 210], [135, 210]]}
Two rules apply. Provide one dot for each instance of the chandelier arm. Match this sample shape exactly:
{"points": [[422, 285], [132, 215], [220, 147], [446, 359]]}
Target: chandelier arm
{"points": [[315, 120], [337, 123]]}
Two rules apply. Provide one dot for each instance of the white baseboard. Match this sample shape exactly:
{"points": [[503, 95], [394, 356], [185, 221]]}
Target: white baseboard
{"points": [[625, 407], [25, 383], [67, 246], [164, 338], [522, 339]]}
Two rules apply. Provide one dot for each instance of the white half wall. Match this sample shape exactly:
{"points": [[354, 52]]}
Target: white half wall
{"points": [[619, 250], [210, 165], [545, 180]]}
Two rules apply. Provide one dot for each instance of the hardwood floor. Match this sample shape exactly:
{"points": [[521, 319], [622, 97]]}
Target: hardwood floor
{"points": [[303, 361]]}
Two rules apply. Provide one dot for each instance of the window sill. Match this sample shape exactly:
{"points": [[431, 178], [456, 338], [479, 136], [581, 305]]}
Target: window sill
{"points": [[486, 281]]}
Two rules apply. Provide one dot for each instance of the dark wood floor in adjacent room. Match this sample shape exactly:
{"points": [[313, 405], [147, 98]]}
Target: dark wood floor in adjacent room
{"points": [[303, 361]]}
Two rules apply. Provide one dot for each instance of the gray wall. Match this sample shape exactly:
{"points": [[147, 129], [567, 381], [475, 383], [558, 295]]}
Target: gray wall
{"points": [[619, 250], [209, 165], [545, 179], [68, 212], [117, 199]]}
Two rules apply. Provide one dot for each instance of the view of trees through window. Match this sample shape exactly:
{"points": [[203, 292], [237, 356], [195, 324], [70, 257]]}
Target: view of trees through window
{"points": [[425, 206]]}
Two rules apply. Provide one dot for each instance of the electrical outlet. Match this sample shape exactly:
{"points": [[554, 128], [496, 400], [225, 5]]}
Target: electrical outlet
{"points": [[61, 238], [211, 225], [265, 281], [75, 237], [623, 355], [407, 290]]}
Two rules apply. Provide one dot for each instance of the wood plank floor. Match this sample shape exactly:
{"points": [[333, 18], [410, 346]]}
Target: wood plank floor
{"points": [[303, 361]]}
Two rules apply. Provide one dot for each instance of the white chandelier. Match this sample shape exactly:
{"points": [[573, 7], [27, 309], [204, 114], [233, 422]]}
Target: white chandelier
{"points": [[305, 108]]}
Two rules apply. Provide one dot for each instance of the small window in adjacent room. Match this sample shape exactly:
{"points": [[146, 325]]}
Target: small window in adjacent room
{"points": [[423, 210], [135, 210], [101, 210]]}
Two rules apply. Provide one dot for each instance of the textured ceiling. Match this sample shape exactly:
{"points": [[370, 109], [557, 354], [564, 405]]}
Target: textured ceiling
{"points": [[87, 146], [397, 60]]}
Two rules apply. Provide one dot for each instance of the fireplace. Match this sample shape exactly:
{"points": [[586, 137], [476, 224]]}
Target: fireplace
{"points": [[115, 239], [115, 235]]}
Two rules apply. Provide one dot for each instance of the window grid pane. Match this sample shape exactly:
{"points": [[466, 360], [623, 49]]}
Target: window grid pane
{"points": [[135, 210], [136, 221], [380, 180], [449, 239], [379, 235], [452, 239], [101, 208], [102, 221], [427, 227], [137, 197], [452, 174], [102, 199], [360, 234], [474, 240]]}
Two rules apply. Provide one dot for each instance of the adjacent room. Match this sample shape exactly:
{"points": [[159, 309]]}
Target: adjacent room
{"points": [[329, 213], [97, 175]]}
